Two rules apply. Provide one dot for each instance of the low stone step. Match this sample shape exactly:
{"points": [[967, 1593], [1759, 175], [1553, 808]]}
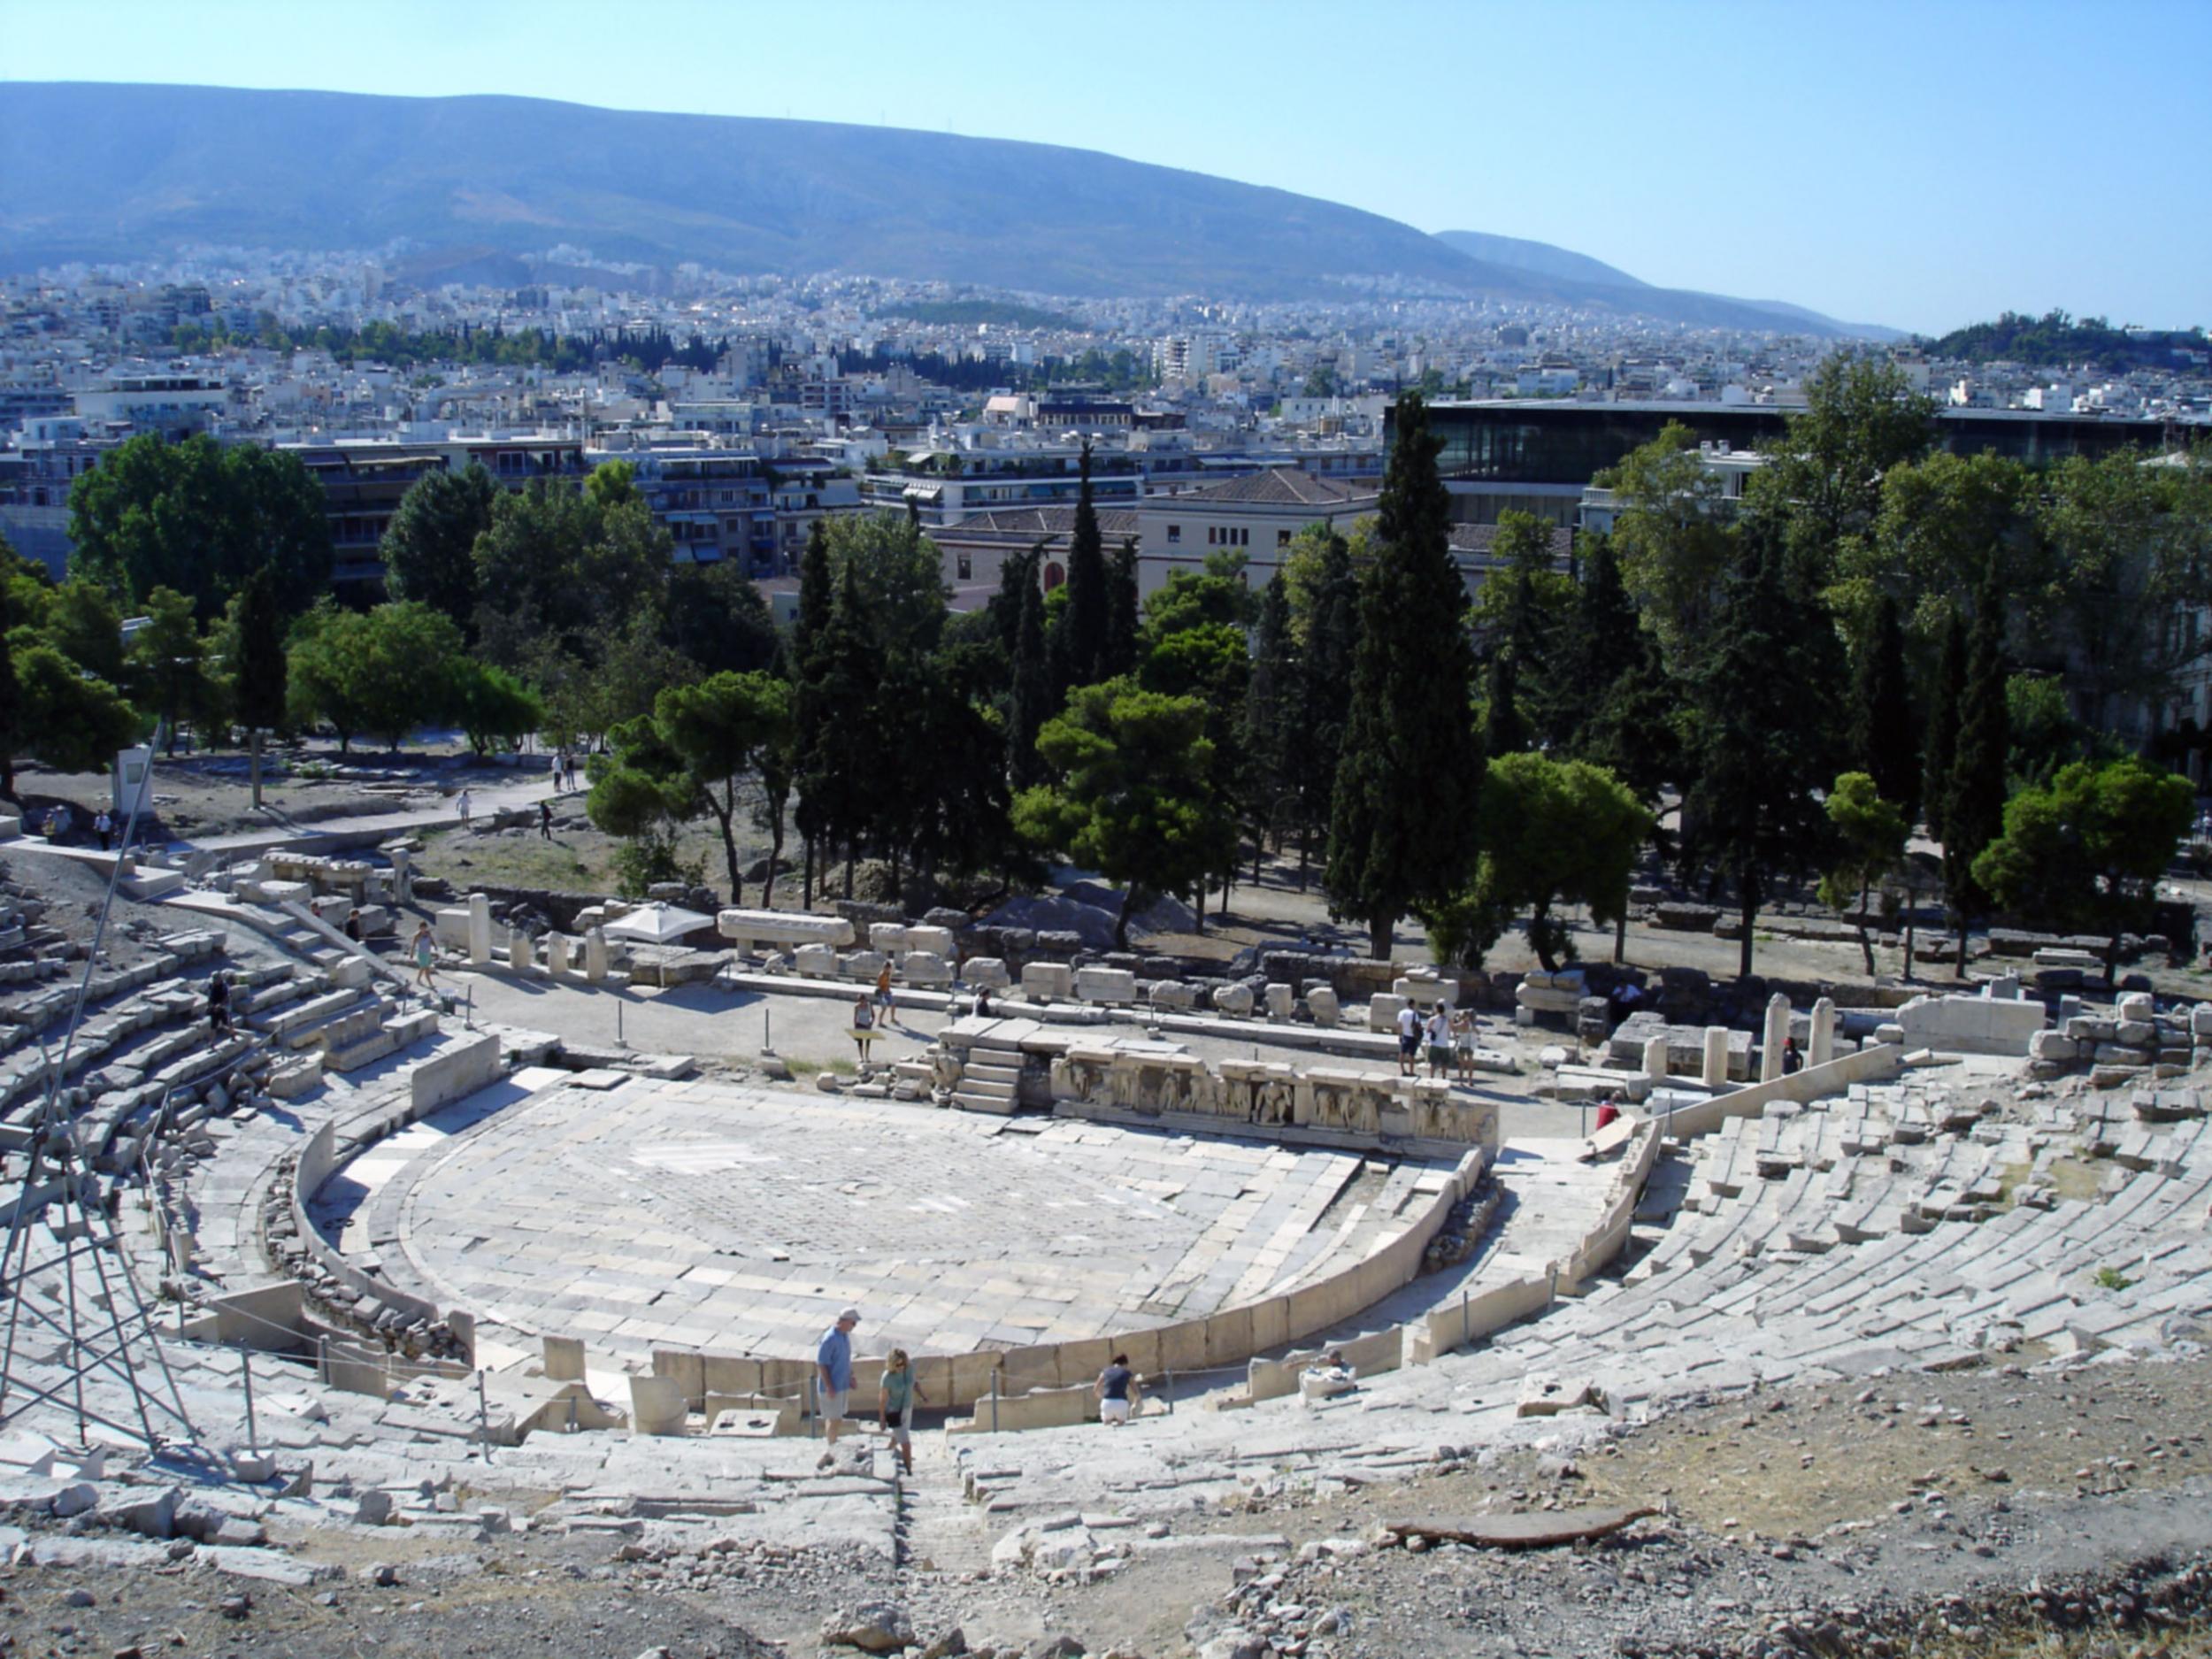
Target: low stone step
{"points": [[1000, 1105], [989, 1087], [282, 1021], [390, 1036]]}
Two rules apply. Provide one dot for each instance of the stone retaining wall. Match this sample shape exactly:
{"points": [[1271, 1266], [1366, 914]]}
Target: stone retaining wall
{"points": [[1222, 1341]]}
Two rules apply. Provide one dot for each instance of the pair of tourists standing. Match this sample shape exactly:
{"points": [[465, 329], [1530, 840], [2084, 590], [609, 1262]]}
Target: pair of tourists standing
{"points": [[897, 1391]]}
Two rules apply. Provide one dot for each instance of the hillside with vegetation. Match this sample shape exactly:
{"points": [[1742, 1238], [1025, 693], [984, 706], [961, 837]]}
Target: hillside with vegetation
{"points": [[2057, 341]]}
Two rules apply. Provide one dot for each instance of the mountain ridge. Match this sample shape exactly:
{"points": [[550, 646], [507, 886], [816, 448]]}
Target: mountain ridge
{"points": [[102, 171]]}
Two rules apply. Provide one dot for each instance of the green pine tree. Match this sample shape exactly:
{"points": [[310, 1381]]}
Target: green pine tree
{"points": [[1401, 824]]}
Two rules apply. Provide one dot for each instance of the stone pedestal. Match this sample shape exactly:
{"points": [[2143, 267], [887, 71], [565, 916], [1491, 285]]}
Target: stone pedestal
{"points": [[402, 873], [1280, 999], [564, 1358], [480, 930], [557, 954], [1047, 981], [521, 956], [1322, 1004], [1106, 985], [1777, 1032], [595, 955], [1822, 1047], [1716, 1072], [1655, 1058]]}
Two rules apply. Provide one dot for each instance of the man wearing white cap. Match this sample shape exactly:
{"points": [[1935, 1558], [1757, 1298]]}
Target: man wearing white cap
{"points": [[833, 1375]]}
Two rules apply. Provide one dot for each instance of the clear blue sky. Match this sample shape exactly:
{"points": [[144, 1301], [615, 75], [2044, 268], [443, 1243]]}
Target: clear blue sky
{"points": [[1922, 164]]}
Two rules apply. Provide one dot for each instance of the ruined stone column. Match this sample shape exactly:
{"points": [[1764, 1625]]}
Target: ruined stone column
{"points": [[403, 874], [1716, 1072], [557, 954], [1655, 1058], [595, 955], [521, 956], [1823, 1045], [1777, 1032], [480, 930]]}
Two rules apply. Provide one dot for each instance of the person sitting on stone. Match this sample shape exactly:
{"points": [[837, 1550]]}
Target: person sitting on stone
{"points": [[1791, 1060], [983, 1002]]}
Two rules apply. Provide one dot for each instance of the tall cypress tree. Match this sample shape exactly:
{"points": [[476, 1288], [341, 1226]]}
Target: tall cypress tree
{"points": [[261, 669], [1974, 809], [848, 758], [10, 694], [1121, 611], [1882, 730], [1084, 647], [1015, 575], [1270, 706], [1031, 702], [1402, 825], [1759, 749], [1325, 692], [1945, 695], [1504, 731], [1603, 641], [809, 714]]}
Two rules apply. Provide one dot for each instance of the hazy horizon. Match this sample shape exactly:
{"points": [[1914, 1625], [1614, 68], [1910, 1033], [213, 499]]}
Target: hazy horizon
{"points": [[1941, 166]]}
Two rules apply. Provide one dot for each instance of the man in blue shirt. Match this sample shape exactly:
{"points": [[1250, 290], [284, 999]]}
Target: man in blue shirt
{"points": [[833, 1375]]}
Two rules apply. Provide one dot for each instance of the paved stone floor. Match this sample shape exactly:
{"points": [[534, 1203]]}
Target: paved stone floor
{"points": [[739, 1220]]}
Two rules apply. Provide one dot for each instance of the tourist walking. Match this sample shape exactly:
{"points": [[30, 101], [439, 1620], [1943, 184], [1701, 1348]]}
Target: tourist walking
{"points": [[425, 951], [833, 1378], [883, 993], [461, 805], [864, 1026], [545, 820], [1114, 1387], [1463, 1044], [896, 1396], [103, 826], [1408, 1039], [1440, 1036]]}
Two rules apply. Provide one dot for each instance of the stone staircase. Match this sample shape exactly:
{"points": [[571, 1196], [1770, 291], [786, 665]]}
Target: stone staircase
{"points": [[991, 1081], [939, 1530]]}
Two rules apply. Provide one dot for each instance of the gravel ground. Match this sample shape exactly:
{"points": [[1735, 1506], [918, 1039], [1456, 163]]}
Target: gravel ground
{"points": [[2004, 1512]]}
